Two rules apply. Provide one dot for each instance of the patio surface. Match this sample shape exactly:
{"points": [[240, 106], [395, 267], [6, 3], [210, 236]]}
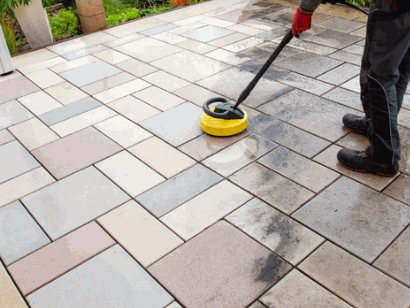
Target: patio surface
{"points": [[112, 196]]}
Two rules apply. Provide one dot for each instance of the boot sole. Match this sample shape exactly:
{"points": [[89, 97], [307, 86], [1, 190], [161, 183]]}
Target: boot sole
{"points": [[360, 132], [365, 171]]}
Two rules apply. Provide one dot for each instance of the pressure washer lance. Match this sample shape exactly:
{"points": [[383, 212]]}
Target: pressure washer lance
{"points": [[229, 111]]}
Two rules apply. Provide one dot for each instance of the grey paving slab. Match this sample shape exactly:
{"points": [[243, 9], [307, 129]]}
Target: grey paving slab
{"points": [[345, 97], [254, 66], [177, 125], [15, 88], [294, 138], [231, 83], [177, 190], [159, 29], [111, 279], [15, 160], [333, 39], [311, 47], [309, 64], [340, 24], [5, 137], [206, 34], [355, 217], [12, 113], [74, 201], [347, 57], [399, 189], [405, 150], [19, 233], [90, 73], [84, 52], [281, 234], [273, 34], [305, 83], [255, 53], [63, 113]]}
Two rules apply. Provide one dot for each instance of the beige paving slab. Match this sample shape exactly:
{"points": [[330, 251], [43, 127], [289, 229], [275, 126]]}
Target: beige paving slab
{"points": [[166, 81], [14, 74], [196, 94], [353, 280], [9, 295], [107, 83], [23, 185], [140, 233], [162, 157], [244, 44], [121, 91], [20, 86], [45, 78], [354, 141], [169, 38], [133, 27], [82, 121], [187, 26], [133, 109], [245, 29], [395, 261], [296, 290], [228, 40], [41, 65], [33, 57], [62, 67], [5, 137], [136, 68], [205, 209], [182, 14], [226, 57], [159, 98], [39, 102], [190, 21], [111, 56], [57, 258], [217, 22], [123, 40], [195, 46], [400, 189], [66, 93]]}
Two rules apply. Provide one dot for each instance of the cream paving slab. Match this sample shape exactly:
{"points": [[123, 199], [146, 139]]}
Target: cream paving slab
{"points": [[141, 234], [84, 52], [217, 22], [60, 68], [166, 81], [329, 159], [45, 78], [296, 290], [205, 209], [41, 65], [129, 173], [33, 57], [187, 26], [24, 184], [162, 157], [399, 189], [195, 94], [111, 56], [39, 102], [33, 133], [122, 131], [281, 234], [136, 68], [82, 121], [190, 66], [133, 109], [226, 57], [245, 29], [207, 33], [12, 113], [59, 257], [21, 86], [160, 29], [182, 14], [228, 40], [5, 137], [133, 27], [195, 46], [66, 93], [123, 40], [9, 295], [271, 187], [353, 280], [75, 152], [158, 98], [121, 91], [354, 141], [107, 83], [218, 11], [244, 44], [239, 155], [19, 234], [169, 38], [352, 84], [186, 22], [355, 217], [299, 169]]}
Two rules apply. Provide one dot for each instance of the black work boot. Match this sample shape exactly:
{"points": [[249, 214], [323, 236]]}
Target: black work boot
{"points": [[362, 161], [355, 123]]}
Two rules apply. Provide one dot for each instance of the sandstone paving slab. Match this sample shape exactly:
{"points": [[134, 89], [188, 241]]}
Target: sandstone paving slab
{"points": [[159, 98], [333, 39], [137, 68], [133, 27], [221, 267], [405, 150], [354, 141], [133, 109], [195, 94], [257, 121], [162, 157], [404, 118], [66, 93], [294, 138], [195, 46], [356, 48], [328, 158], [121, 91], [59, 257], [90, 73], [245, 29], [244, 44], [169, 38], [129, 173], [15, 88], [166, 81], [340, 74], [75, 152], [296, 290], [179, 189], [45, 78], [299, 169], [355, 217], [33, 57], [15, 160], [257, 305], [140, 233], [352, 85], [39, 102], [228, 40], [74, 201], [13, 113], [271, 187], [179, 15], [311, 47], [281, 234], [19, 233], [9, 295], [309, 112], [84, 52], [217, 22], [177, 125], [62, 67], [345, 97], [41, 65], [159, 29], [353, 280], [347, 57], [123, 40], [230, 83], [207, 33], [239, 155], [112, 278], [189, 21], [304, 83], [111, 56], [395, 261], [108, 83], [226, 57], [5, 137], [399, 189], [254, 66], [340, 24], [205, 209], [80, 43]]}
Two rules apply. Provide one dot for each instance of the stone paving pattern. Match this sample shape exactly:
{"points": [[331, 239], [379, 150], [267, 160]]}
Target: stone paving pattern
{"points": [[112, 196]]}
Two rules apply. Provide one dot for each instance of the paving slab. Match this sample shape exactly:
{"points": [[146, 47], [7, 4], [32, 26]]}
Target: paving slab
{"points": [[9, 295], [13, 113], [39, 102], [108, 83], [333, 39], [133, 109], [84, 52], [136, 68], [5, 137], [399, 189], [66, 93], [21, 86], [207, 33], [158, 98]]}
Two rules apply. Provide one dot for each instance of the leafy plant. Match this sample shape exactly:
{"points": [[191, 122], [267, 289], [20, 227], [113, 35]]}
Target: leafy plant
{"points": [[64, 24], [363, 3], [9, 35], [122, 16]]}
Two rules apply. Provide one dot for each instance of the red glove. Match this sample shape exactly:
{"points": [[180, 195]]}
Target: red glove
{"points": [[300, 22]]}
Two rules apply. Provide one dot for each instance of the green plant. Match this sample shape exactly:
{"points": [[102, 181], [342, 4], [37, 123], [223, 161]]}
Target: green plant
{"points": [[8, 32], [363, 3], [6, 6], [64, 24], [122, 16]]}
